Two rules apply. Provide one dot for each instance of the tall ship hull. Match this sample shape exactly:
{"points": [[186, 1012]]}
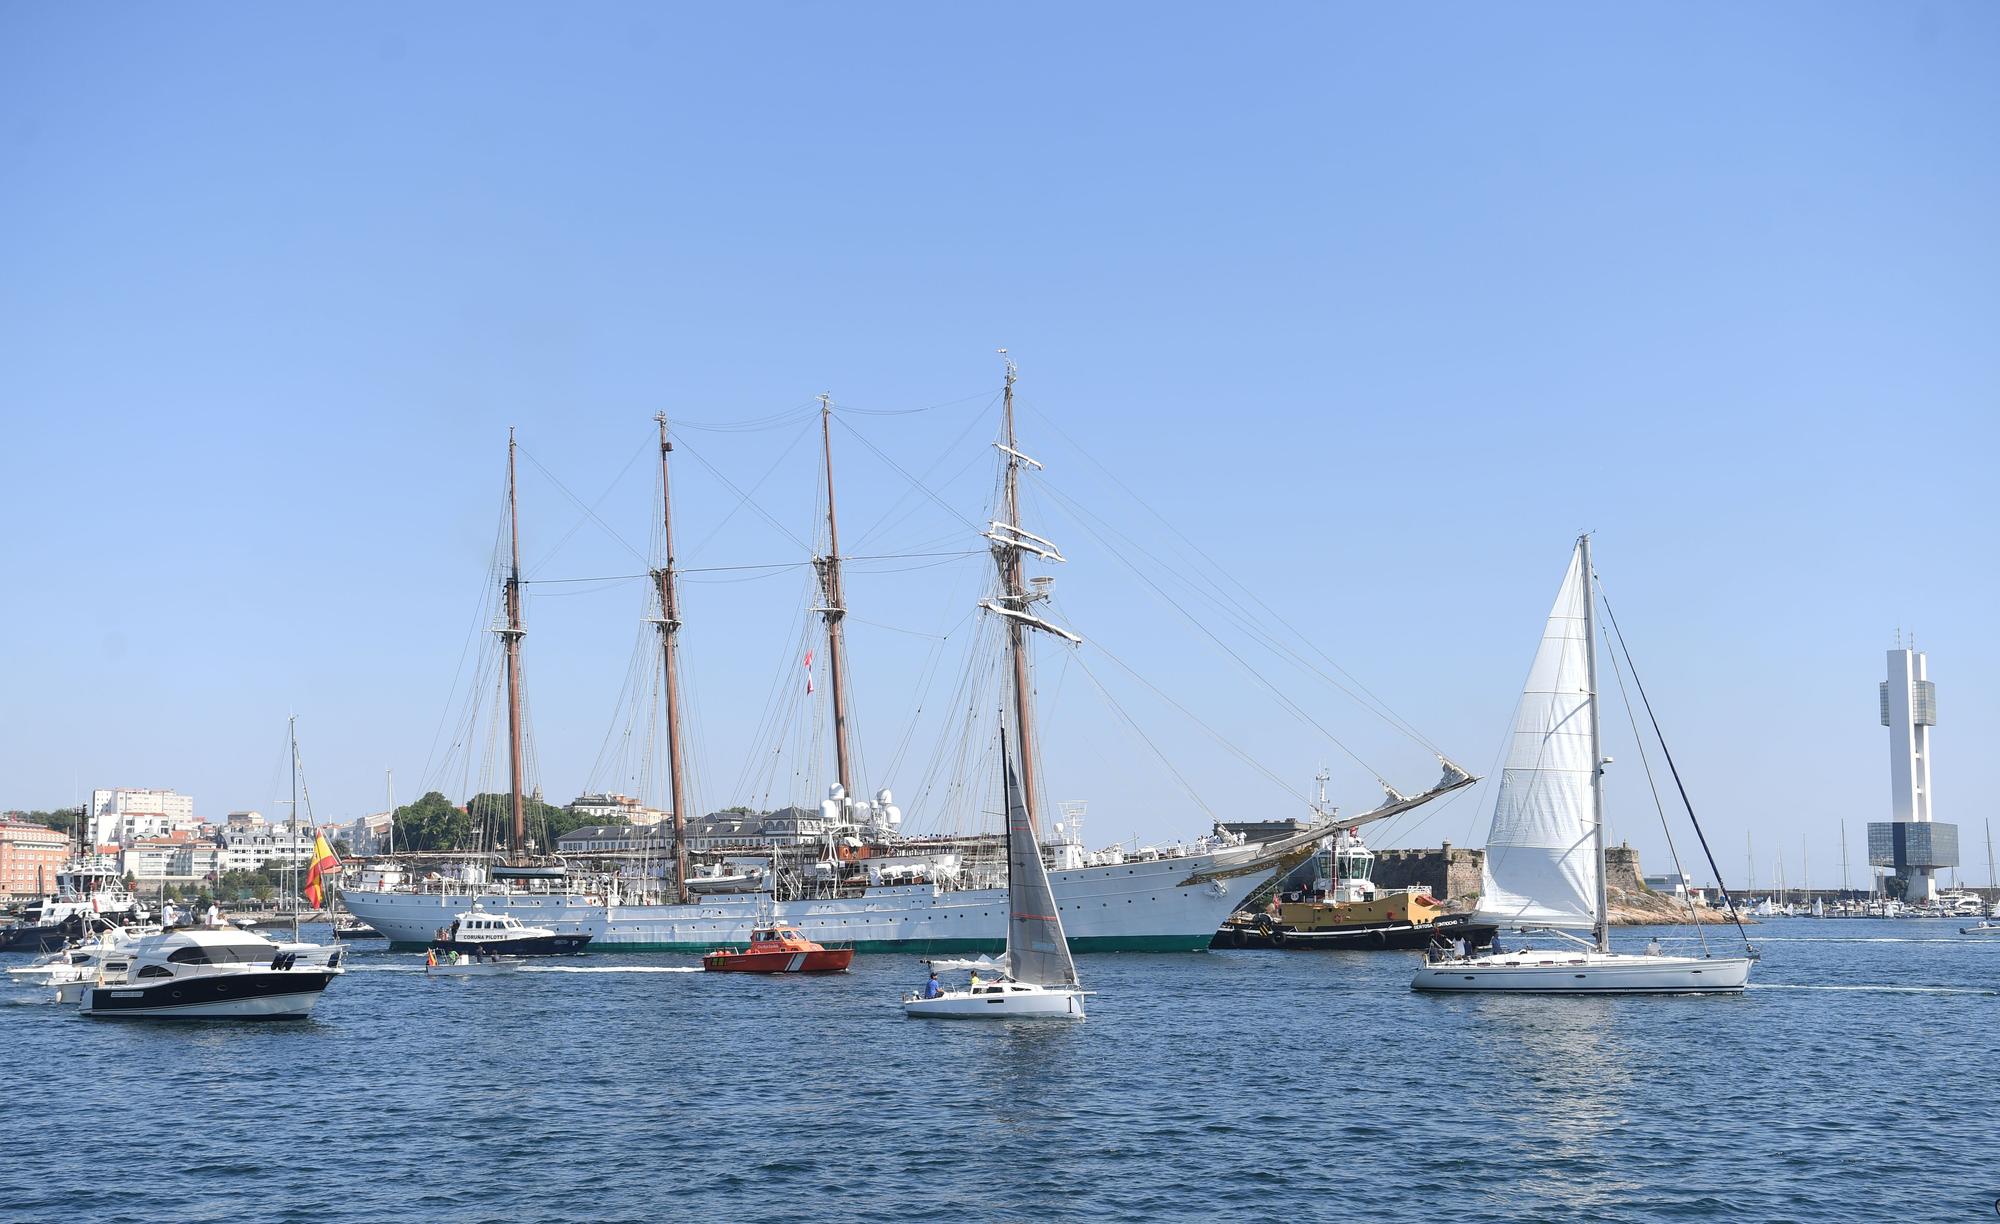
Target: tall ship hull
{"points": [[1164, 905]]}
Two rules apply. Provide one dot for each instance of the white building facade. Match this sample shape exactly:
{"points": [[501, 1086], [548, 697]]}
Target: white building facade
{"points": [[125, 814]]}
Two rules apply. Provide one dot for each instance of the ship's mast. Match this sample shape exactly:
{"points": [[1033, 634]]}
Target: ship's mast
{"points": [[512, 635], [835, 610], [670, 623], [1596, 745], [1009, 542], [1014, 593]]}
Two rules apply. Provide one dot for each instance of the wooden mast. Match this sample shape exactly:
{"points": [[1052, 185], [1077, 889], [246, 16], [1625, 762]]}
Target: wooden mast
{"points": [[835, 611], [1014, 595], [670, 623], [512, 635]]}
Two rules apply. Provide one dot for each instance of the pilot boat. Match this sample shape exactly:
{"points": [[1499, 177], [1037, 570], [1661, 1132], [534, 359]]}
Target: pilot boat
{"points": [[779, 949], [477, 931]]}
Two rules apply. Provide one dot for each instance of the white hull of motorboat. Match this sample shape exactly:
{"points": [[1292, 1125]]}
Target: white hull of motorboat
{"points": [[53, 974], [485, 968], [1006, 1001], [291, 1006], [1984, 928], [1577, 972]]}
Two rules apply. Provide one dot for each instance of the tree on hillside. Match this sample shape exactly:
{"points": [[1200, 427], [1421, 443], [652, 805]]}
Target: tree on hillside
{"points": [[63, 820], [432, 823]]}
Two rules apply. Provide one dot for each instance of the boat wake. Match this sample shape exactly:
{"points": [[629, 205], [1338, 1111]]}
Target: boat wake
{"points": [[611, 969], [1857, 939], [1950, 990], [545, 969]]}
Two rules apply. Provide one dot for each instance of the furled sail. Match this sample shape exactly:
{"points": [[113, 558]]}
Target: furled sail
{"points": [[1037, 953], [1541, 861]]}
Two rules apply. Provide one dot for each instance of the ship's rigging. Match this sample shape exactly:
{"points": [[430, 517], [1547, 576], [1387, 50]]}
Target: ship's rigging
{"points": [[810, 730]]}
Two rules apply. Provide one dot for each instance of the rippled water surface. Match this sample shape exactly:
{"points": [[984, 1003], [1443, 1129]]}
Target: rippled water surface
{"points": [[1858, 1079]]}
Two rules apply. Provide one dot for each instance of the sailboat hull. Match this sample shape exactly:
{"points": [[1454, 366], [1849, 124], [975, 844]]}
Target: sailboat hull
{"points": [[1579, 973], [1008, 1001]]}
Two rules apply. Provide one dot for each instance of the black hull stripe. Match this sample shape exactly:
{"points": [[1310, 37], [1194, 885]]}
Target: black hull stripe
{"points": [[206, 991]]}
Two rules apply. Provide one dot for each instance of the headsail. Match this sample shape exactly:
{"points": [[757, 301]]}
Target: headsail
{"points": [[1037, 952], [1541, 863]]}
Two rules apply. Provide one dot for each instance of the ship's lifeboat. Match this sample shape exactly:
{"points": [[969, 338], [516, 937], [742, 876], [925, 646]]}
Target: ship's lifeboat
{"points": [[779, 949]]}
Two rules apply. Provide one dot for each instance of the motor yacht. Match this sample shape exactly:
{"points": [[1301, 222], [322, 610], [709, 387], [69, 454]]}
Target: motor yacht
{"points": [[220, 974]]}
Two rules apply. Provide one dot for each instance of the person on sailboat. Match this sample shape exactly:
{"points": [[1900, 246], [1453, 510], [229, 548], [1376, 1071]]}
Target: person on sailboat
{"points": [[931, 988]]}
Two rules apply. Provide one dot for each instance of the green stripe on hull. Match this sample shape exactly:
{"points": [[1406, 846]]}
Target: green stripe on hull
{"points": [[924, 947]]}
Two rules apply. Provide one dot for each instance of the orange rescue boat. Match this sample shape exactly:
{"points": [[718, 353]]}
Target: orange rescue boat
{"points": [[779, 949]]}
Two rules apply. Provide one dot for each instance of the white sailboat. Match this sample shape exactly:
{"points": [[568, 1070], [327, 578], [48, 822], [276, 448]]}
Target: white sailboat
{"points": [[1544, 868], [1036, 977]]}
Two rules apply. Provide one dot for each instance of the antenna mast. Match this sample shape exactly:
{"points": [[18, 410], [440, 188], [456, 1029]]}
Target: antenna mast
{"points": [[670, 623], [512, 635], [835, 610]]}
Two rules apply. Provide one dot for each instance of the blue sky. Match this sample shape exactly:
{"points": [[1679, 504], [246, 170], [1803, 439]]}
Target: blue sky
{"points": [[1378, 305]]}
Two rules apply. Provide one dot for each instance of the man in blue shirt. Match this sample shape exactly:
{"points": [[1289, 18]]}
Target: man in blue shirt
{"points": [[931, 988]]}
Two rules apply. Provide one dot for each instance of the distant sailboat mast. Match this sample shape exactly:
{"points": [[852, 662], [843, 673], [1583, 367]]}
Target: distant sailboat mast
{"points": [[670, 623], [511, 635]]}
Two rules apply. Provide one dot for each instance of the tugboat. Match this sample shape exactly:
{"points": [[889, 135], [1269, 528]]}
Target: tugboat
{"points": [[779, 949], [1343, 910], [477, 931]]}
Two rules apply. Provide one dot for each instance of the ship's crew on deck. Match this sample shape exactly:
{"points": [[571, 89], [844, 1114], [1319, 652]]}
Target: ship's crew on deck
{"points": [[931, 988]]}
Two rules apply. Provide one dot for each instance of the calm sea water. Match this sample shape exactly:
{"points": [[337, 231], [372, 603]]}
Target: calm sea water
{"points": [[1859, 1079]]}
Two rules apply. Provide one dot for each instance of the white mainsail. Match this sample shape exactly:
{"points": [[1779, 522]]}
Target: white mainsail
{"points": [[1037, 953], [1541, 859]]}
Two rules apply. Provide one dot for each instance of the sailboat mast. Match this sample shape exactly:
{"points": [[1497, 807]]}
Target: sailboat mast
{"points": [[1596, 745], [1843, 855], [835, 610], [670, 623], [293, 858], [1014, 595], [511, 635]]}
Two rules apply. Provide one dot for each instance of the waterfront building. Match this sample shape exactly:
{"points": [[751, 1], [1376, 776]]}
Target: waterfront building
{"points": [[616, 839], [617, 809], [123, 814], [1910, 843], [248, 846], [739, 829], [30, 856]]}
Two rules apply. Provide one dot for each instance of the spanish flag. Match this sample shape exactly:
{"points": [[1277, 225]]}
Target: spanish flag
{"points": [[323, 865]]}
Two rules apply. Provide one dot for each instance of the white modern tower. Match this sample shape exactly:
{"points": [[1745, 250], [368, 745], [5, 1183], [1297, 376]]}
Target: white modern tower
{"points": [[1911, 842], [1909, 710]]}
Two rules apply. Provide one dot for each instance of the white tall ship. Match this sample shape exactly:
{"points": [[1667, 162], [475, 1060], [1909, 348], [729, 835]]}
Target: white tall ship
{"points": [[1544, 867], [865, 885]]}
